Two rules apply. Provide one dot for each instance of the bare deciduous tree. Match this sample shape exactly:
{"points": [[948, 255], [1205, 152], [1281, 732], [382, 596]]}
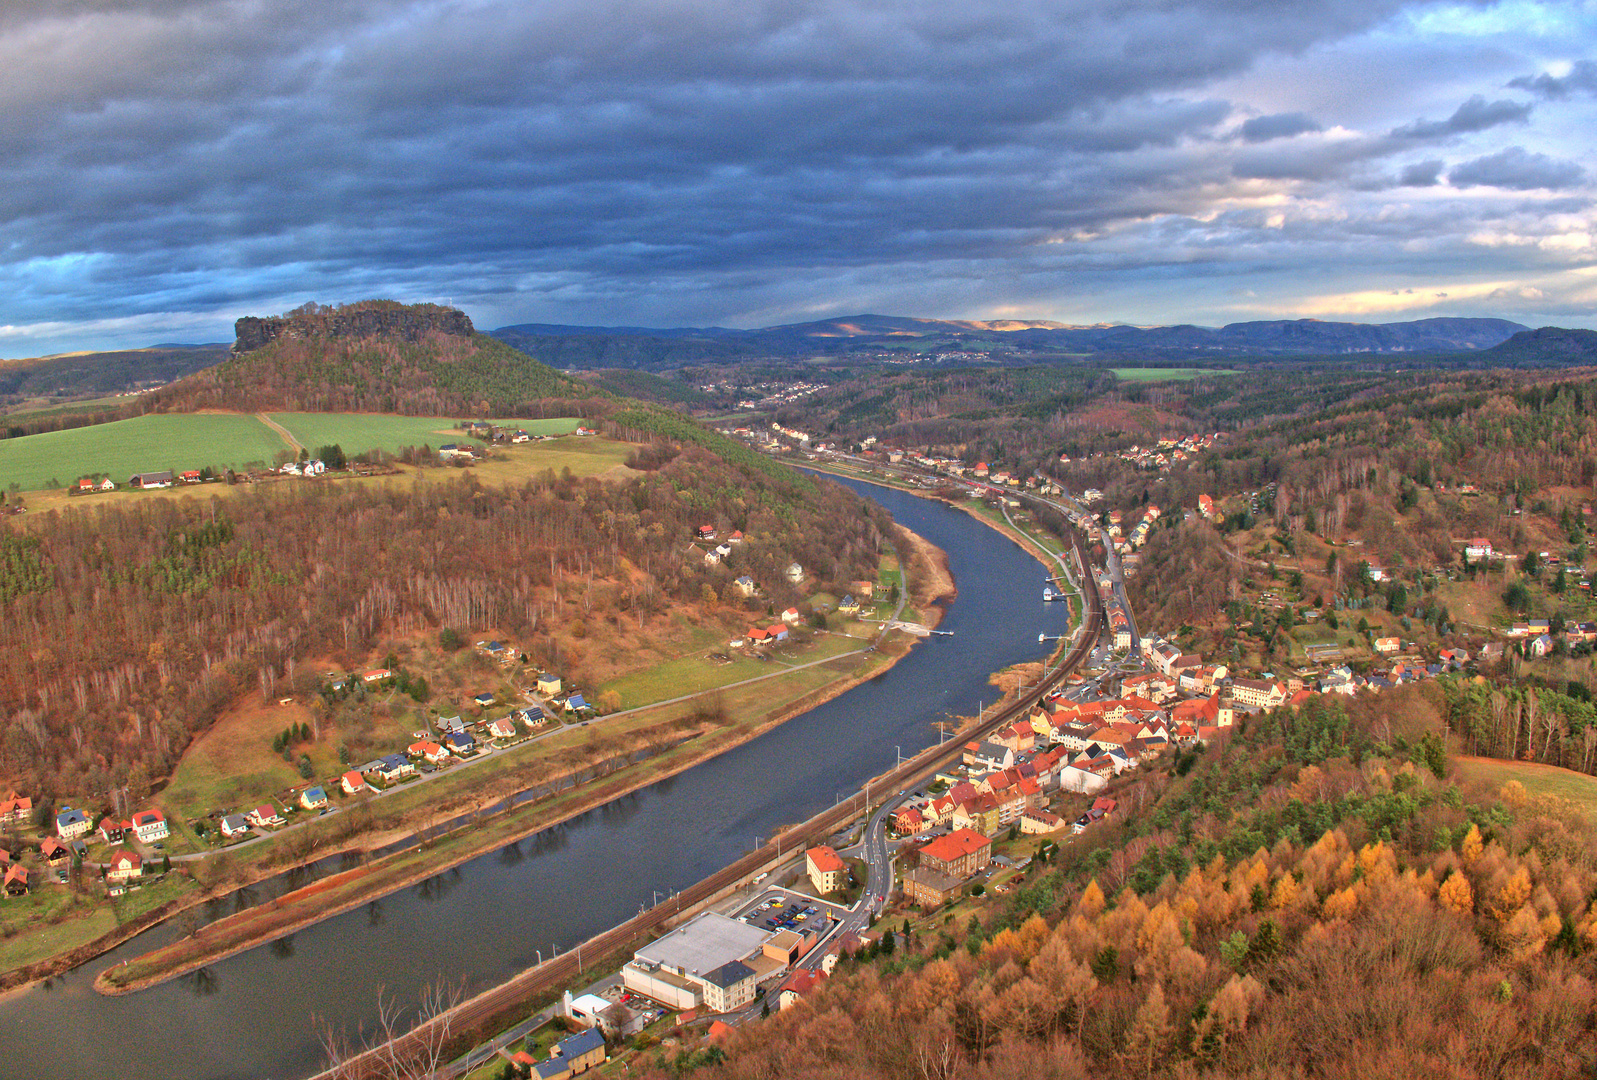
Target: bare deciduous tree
{"points": [[396, 1048]]}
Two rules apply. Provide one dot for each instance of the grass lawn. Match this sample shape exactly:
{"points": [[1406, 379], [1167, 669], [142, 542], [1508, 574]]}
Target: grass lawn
{"points": [[1166, 374], [357, 433], [41, 924], [142, 444], [694, 674], [232, 767], [584, 456], [44, 923], [28, 412], [1538, 779]]}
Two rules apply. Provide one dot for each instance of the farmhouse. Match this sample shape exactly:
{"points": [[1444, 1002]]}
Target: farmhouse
{"points": [[16, 882], [151, 479], [15, 809]]}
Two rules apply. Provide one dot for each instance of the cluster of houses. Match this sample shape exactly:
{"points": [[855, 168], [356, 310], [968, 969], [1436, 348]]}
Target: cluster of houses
{"points": [[1158, 457], [706, 534], [313, 467], [775, 395], [1063, 745], [72, 830], [461, 452], [1139, 532]]}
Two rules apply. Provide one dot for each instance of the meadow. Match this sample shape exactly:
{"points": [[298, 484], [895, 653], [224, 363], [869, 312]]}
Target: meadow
{"points": [[142, 444], [357, 433], [1538, 779], [183, 441]]}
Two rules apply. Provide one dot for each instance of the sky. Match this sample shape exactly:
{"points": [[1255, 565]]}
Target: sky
{"points": [[167, 166]]}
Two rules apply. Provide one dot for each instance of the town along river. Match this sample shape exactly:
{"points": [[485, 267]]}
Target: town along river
{"points": [[255, 1015]]}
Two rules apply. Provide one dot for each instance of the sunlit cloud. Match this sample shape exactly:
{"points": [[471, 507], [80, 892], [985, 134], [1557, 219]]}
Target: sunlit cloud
{"points": [[658, 163]]}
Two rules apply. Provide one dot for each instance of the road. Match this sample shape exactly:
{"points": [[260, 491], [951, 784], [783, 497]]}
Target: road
{"points": [[561, 971], [477, 759]]}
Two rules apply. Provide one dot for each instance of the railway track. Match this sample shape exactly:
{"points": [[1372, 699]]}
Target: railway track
{"points": [[559, 971]]}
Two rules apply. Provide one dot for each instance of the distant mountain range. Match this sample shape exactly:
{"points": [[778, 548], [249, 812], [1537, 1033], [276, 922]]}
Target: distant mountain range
{"points": [[650, 347]]}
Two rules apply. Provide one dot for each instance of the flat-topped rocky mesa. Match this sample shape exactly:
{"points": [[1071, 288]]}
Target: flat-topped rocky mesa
{"points": [[369, 318]]}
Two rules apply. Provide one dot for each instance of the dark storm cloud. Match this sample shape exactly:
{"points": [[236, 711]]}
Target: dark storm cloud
{"points": [[1582, 78], [609, 160], [1279, 126], [1517, 170]]}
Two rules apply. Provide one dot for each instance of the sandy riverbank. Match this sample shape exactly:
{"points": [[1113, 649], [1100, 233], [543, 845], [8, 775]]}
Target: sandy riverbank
{"points": [[929, 584]]}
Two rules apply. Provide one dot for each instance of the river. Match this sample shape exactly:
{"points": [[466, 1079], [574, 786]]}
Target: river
{"points": [[256, 1015]]}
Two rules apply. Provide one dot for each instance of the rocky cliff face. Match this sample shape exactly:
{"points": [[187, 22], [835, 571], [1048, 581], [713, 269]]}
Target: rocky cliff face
{"points": [[412, 322]]}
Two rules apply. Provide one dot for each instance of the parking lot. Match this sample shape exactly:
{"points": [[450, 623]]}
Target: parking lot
{"points": [[779, 909], [785, 915]]}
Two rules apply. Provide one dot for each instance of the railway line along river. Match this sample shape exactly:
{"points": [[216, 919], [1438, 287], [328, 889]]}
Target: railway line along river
{"points": [[256, 1014]]}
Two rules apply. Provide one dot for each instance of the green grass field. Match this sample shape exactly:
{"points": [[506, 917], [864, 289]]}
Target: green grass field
{"points": [[1165, 374], [696, 674], [142, 444], [1577, 788], [357, 433]]}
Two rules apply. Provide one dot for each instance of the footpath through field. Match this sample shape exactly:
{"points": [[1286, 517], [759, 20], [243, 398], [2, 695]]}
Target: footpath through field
{"points": [[293, 443]]}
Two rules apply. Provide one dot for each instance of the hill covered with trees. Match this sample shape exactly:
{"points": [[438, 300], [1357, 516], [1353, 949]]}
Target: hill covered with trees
{"points": [[378, 356], [131, 625], [1316, 896]]}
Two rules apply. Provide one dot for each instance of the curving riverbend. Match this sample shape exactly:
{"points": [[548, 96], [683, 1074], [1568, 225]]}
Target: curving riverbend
{"points": [[255, 1015]]}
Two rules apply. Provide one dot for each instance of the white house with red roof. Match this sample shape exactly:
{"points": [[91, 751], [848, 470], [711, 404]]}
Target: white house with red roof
{"points": [[150, 826], [353, 782], [429, 751]]}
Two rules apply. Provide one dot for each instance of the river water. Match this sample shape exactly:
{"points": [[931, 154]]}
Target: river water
{"points": [[256, 1015]]}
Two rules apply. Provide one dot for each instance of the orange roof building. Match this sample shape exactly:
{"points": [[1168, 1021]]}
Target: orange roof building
{"points": [[959, 854]]}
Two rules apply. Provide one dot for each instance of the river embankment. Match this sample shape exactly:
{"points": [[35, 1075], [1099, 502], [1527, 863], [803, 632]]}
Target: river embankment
{"points": [[483, 922], [930, 584]]}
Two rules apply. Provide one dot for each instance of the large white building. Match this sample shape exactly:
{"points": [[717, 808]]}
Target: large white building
{"points": [[698, 963]]}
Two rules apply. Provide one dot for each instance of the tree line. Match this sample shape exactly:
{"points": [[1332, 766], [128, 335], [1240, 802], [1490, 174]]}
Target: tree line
{"points": [[1311, 899], [128, 628]]}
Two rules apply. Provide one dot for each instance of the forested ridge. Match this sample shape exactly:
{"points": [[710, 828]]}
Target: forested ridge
{"points": [[441, 375], [128, 627], [1313, 897], [1406, 476]]}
